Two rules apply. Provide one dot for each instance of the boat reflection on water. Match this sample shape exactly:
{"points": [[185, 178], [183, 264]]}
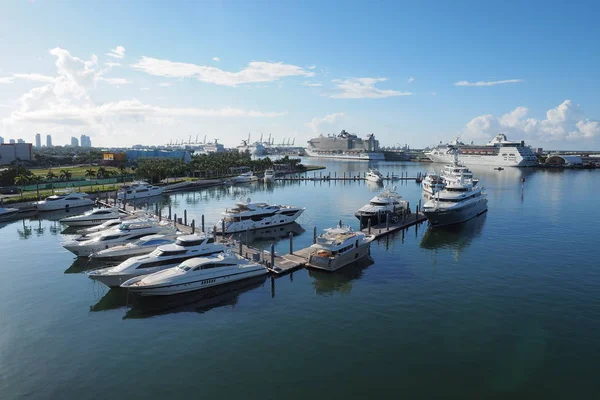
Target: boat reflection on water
{"points": [[257, 236], [83, 264], [327, 283], [60, 214], [455, 237], [114, 298], [200, 301]]}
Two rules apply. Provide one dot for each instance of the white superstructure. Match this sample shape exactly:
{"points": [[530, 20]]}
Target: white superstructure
{"points": [[433, 182], [347, 155], [64, 200], [247, 215], [388, 201], [338, 247], [195, 274], [269, 175], [144, 245], [373, 175], [245, 177], [139, 190], [497, 152], [94, 217]]}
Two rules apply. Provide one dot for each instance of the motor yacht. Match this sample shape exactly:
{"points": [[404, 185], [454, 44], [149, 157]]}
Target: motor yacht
{"points": [[139, 190], [63, 200], [94, 217], [144, 245], [374, 176], [269, 175], [247, 215], [432, 183], [6, 213], [195, 274], [458, 202], [111, 223], [126, 232], [386, 202], [338, 247], [245, 177], [170, 255]]}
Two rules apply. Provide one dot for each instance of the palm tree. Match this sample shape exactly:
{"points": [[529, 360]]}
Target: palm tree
{"points": [[65, 174], [37, 180], [90, 173], [101, 173], [21, 180], [50, 176]]}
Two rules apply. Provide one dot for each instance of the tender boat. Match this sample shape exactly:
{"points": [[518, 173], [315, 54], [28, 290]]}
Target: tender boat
{"points": [[386, 202], [126, 232], [94, 217], [195, 274], [163, 257], [374, 176], [249, 216], [142, 246], [460, 201], [6, 213], [245, 177], [269, 175], [139, 190], [432, 183], [65, 199], [338, 247]]}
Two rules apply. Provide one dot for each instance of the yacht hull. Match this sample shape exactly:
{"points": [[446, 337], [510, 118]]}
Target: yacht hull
{"points": [[88, 222], [242, 226], [472, 159], [122, 255], [340, 261], [445, 217], [8, 213], [138, 195], [62, 205]]}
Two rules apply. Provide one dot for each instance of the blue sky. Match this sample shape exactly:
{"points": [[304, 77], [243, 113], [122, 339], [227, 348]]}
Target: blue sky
{"points": [[410, 72]]}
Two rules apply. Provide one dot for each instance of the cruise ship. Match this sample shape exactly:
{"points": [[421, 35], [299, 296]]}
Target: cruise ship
{"points": [[499, 152], [345, 146]]}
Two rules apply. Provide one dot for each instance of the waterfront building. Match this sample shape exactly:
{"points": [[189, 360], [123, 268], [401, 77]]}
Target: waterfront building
{"points": [[48, 141], [1, 140], [13, 151], [38, 140], [85, 141], [74, 142]]}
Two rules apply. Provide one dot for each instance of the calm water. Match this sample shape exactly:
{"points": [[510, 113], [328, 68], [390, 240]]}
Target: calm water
{"points": [[505, 306]]}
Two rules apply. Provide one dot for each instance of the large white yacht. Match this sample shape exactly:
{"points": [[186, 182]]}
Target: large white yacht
{"points": [[195, 274], [94, 217], [126, 232], [63, 200], [497, 152], [338, 247], [139, 190], [433, 182], [144, 245], [458, 202], [373, 175], [246, 177], [386, 202], [249, 216], [269, 175], [184, 248]]}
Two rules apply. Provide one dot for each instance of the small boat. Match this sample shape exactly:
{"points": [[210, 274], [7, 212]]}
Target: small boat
{"points": [[386, 202], [432, 183], [6, 213], [144, 245], [64, 200], [499, 168], [139, 190], [94, 217], [245, 177], [374, 176], [167, 256], [269, 175], [195, 274], [247, 215], [338, 247]]}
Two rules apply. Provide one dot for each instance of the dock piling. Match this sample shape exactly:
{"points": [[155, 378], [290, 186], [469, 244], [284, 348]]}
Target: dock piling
{"points": [[291, 243], [387, 221], [185, 217], [170, 211], [272, 255], [202, 223], [223, 227], [174, 220], [369, 225], [314, 234], [240, 241], [193, 226], [159, 215]]}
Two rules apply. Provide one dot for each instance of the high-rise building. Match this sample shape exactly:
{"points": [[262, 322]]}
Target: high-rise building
{"points": [[11, 141], [74, 142], [38, 140], [48, 141], [20, 141], [1, 140], [85, 141]]}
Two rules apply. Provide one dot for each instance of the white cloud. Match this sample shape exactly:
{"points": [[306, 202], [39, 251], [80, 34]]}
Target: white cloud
{"points": [[217, 59], [564, 122], [35, 78], [411, 79], [6, 79], [363, 88], [312, 84], [116, 81], [112, 64], [489, 83], [165, 84], [312, 67], [145, 88], [316, 122], [117, 52], [256, 71]]}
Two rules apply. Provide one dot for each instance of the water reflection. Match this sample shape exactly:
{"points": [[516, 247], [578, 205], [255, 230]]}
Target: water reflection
{"points": [[327, 283], [114, 298], [60, 214], [455, 237], [200, 301], [83, 264]]}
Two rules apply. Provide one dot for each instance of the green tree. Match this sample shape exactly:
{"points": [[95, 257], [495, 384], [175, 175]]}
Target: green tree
{"points": [[102, 173], [65, 174], [50, 175], [22, 180], [37, 180], [89, 173]]}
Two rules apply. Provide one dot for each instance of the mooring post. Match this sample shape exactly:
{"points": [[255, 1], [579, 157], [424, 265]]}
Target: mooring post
{"points": [[247, 233], [272, 255], [361, 221], [314, 234], [240, 247], [202, 223], [344, 175], [335, 174], [291, 243], [387, 221], [160, 215], [369, 225], [193, 225], [223, 227], [169, 211], [185, 217], [175, 221]]}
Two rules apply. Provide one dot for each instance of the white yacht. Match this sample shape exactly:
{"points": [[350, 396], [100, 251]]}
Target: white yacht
{"points": [[245, 177], [386, 202], [374, 176], [249, 216], [195, 274], [338, 247], [63, 200], [144, 245], [432, 183], [139, 190], [94, 217], [458, 202], [269, 175], [497, 152], [126, 232], [6, 213], [111, 223], [167, 256]]}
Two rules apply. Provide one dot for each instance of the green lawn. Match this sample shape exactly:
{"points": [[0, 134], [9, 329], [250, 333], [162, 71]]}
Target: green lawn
{"points": [[75, 171]]}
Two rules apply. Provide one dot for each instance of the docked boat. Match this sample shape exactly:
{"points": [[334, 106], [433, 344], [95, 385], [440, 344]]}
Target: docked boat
{"points": [[112, 223], [338, 247], [249, 216], [269, 175], [94, 217], [246, 177], [64, 200], [458, 202], [167, 256], [6, 213], [195, 274], [144, 245], [345, 146], [139, 190], [432, 183], [386, 202], [374, 176], [126, 232]]}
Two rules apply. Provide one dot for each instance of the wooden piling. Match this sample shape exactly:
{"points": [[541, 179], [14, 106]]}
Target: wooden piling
{"points": [[202, 223], [291, 243], [185, 217], [314, 234], [369, 225], [174, 221], [169, 211], [193, 226]]}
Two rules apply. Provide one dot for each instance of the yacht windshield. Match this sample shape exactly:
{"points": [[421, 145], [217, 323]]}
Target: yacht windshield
{"points": [[184, 267]]}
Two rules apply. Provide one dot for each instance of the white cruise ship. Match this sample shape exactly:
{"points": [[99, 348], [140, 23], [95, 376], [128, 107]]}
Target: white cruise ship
{"points": [[499, 152], [345, 146]]}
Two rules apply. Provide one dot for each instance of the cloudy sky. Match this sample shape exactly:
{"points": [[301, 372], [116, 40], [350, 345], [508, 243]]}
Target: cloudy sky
{"points": [[410, 72]]}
